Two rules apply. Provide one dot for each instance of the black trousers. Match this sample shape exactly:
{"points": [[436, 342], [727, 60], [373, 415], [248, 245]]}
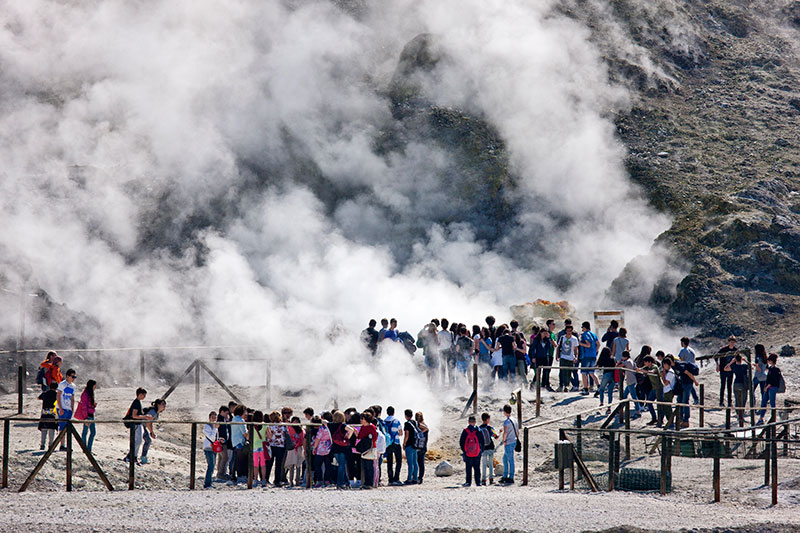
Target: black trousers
{"points": [[473, 466], [394, 456], [421, 463]]}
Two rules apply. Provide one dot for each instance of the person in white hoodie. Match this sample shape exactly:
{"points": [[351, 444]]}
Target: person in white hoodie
{"points": [[210, 436]]}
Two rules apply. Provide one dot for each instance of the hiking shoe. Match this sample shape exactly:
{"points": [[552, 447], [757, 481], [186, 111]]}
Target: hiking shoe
{"points": [[144, 460]]}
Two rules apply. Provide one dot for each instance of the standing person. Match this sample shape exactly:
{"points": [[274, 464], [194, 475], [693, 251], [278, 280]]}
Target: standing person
{"points": [[510, 437], [611, 333], [48, 424], [650, 386], [465, 347], [471, 449], [445, 347], [294, 457], [224, 436], [589, 345], [321, 447], [53, 373], [620, 344], [686, 370], [366, 444], [551, 354], [567, 354], [65, 403], [423, 429], [724, 357], [260, 452], [483, 345], [277, 446], [210, 435], [239, 437], [774, 385], [629, 380], [409, 446], [340, 444], [429, 340], [394, 451], [668, 380], [488, 435], [505, 341], [44, 369], [760, 368], [149, 434], [739, 369], [607, 384], [135, 412], [540, 347], [85, 411], [520, 354], [369, 337], [490, 321]]}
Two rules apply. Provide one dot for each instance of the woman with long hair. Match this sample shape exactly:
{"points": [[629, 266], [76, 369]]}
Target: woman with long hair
{"points": [[85, 411], [423, 427]]}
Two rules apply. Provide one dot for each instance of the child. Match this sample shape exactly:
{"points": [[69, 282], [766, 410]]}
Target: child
{"points": [[148, 434], [85, 411], [471, 448], [135, 412], [47, 427], [210, 431], [488, 435], [321, 448], [260, 453], [295, 457]]}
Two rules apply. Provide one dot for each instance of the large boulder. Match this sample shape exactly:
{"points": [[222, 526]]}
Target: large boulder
{"points": [[444, 469]]}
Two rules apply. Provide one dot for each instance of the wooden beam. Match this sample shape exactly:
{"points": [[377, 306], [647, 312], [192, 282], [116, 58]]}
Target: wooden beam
{"points": [[91, 458], [178, 382], [219, 382], [43, 460]]}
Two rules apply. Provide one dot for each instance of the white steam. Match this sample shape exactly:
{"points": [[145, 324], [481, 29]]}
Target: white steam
{"points": [[123, 123]]}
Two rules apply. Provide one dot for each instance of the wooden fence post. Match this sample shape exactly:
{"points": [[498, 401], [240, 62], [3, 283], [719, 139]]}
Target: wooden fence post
{"points": [[196, 383], [525, 456], [20, 388], [250, 466], [6, 451], [538, 391], [519, 407], [774, 454], [767, 451], [628, 427], [132, 456], [665, 464], [716, 475], [141, 367], [193, 457], [702, 404], [68, 428], [611, 458], [560, 458], [579, 436], [309, 460]]}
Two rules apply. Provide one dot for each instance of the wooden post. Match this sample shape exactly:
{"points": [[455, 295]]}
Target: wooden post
{"points": [[132, 457], [309, 460], [767, 451], [702, 404], [519, 406], [268, 384], [92, 461], [538, 391], [250, 466], [475, 388], [68, 428], [774, 454], [579, 436], [524, 456], [786, 440], [727, 426], [751, 391], [141, 367], [628, 435], [193, 457], [560, 458], [665, 464], [716, 476], [611, 454], [6, 451], [196, 384], [20, 387], [59, 440]]}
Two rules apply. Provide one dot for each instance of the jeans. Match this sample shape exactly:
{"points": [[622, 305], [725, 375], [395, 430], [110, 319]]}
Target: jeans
{"points": [[665, 411], [90, 429], [508, 460], [232, 460], [767, 396], [210, 461], [607, 384], [341, 469], [487, 461], [686, 393], [394, 456], [368, 467], [630, 390], [473, 465], [65, 415], [413, 466], [522, 371], [740, 398], [509, 363], [321, 462], [278, 456], [546, 372], [142, 435], [725, 382], [760, 385], [564, 374], [651, 396]]}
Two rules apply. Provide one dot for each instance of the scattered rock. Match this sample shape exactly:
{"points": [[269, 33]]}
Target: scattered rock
{"points": [[444, 469], [663, 154], [787, 351]]}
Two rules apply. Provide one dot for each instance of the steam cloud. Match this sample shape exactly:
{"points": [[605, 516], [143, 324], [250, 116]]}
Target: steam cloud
{"points": [[188, 171]]}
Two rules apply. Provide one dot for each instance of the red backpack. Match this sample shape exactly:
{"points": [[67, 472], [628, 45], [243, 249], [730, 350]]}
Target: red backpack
{"points": [[472, 447]]}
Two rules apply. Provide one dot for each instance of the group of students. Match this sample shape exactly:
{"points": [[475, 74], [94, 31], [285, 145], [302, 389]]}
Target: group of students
{"points": [[347, 448], [58, 402], [478, 448]]}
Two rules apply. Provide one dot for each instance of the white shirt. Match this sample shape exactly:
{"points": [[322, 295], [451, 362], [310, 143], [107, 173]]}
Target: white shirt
{"points": [[568, 347], [670, 378], [210, 433]]}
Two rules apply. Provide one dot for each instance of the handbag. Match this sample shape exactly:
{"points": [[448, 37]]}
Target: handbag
{"points": [[364, 445], [288, 443], [518, 445], [216, 445], [370, 454]]}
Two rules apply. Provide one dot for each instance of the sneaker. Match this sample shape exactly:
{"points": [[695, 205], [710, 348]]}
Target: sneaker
{"points": [[585, 392], [491, 481], [41, 448], [760, 422], [652, 423], [145, 460], [597, 394], [574, 389], [608, 411], [549, 389], [466, 484], [409, 482]]}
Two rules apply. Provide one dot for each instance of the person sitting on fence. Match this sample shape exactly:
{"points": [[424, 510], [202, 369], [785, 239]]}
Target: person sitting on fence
{"points": [[42, 377], [296, 456], [47, 424], [488, 436], [224, 436], [628, 379], [668, 380], [211, 435], [65, 402], [471, 450], [85, 411], [606, 362], [148, 434], [775, 385], [739, 369]]}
